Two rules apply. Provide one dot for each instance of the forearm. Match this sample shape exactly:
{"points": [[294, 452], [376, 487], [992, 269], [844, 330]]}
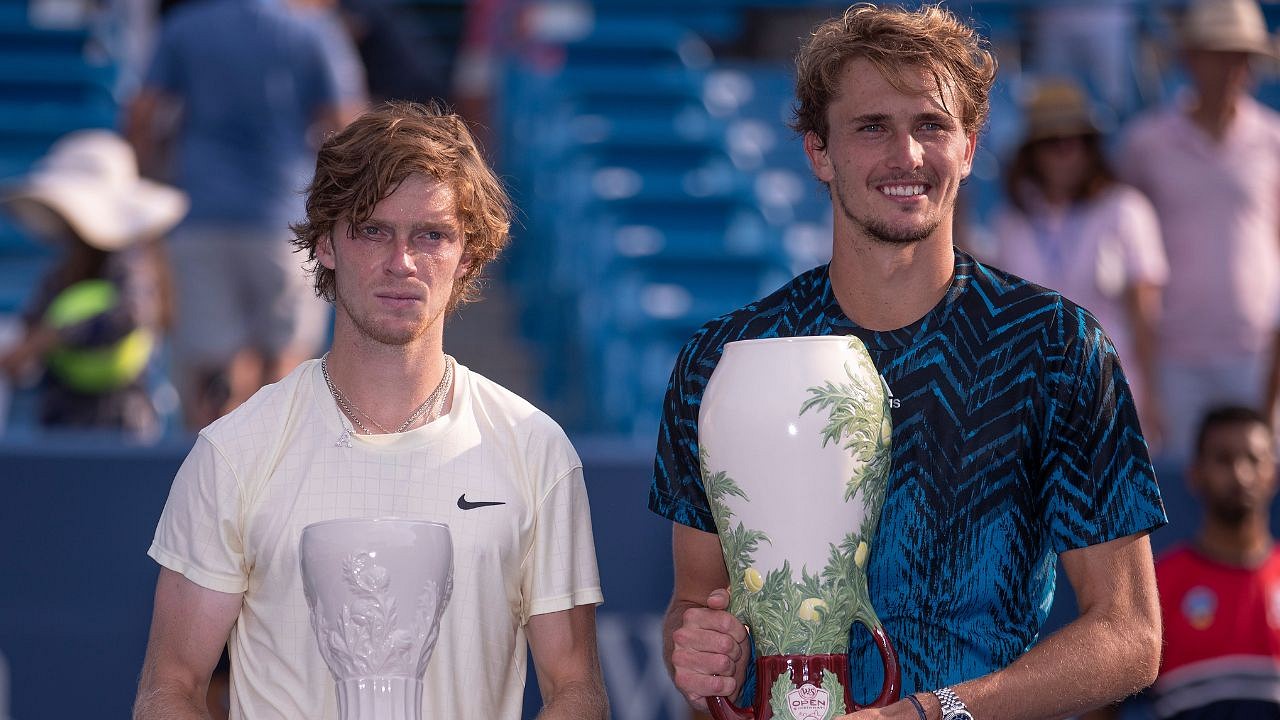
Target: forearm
{"points": [[1145, 348], [584, 699], [1088, 664], [168, 703]]}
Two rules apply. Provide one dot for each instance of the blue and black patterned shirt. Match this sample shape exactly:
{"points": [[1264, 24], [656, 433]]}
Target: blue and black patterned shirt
{"points": [[1015, 438]]}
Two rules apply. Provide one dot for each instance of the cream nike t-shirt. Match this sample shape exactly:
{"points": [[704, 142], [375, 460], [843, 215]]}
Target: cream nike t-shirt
{"points": [[281, 461]]}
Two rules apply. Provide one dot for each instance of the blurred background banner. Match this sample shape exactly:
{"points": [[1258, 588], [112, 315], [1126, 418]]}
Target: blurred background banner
{"points": [[76, 585]]}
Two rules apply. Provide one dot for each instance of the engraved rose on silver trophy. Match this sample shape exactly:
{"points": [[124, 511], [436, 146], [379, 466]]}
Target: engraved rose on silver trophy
{"points": [[377, 589]]}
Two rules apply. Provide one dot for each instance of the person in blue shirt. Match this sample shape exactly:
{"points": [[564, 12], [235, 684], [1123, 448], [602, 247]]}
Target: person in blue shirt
{"points": [[1016, 441], [233, 105]]}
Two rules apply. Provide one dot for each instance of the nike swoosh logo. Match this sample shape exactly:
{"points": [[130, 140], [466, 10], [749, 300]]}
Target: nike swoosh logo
{"points": [[465, 504]]}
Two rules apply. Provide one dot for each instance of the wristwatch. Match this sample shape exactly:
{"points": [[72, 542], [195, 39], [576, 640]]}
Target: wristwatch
{"points": [[952, 707]]}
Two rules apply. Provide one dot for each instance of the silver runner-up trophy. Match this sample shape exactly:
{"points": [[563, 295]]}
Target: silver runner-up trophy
{"points": [[376, 589]]}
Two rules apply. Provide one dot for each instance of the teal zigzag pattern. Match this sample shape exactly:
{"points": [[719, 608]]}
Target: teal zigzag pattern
{"points": [[1015, 438]]}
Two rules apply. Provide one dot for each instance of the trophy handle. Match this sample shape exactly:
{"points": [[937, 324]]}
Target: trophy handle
{"points": [[891, 689], [722, 709]]}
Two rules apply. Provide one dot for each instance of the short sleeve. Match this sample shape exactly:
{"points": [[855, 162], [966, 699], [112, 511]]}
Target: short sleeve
{"points": [[200, 534], [1097, 480], [344, 77], [561, 572], [1139, 229], [677, 493], [332, 71]]}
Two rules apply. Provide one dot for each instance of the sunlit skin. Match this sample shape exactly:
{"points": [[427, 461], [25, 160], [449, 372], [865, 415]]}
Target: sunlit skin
{"points": [[1235, 473], [1220, 80], [1061, 164], [894, 161], [1218, 76], [395, 272]]}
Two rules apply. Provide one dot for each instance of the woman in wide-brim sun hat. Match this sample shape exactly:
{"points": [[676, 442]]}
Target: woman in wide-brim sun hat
{"points": [[93, 320]]}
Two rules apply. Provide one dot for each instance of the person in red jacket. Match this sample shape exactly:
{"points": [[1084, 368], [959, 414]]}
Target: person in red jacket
{"points": [[1220, 592]]}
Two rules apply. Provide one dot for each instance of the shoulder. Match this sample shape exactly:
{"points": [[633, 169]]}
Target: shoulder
{"points": [[1125, 195], [1021, 308], [256, 426], [1265, 117], [1268, 114], [1144, 136], [1126, 203], [505, 414], [1005, 294], [1158, 119], [499, 402]]}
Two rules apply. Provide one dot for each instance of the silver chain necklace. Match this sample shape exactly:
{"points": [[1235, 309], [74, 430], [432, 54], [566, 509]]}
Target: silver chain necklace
{"points": [[430, 408]]}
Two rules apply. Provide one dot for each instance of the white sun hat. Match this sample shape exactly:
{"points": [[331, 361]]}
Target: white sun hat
{"points": [[1226, 26], [89, 178]]}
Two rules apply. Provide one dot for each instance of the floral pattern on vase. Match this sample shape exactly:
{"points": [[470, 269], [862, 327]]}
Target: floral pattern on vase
{"points": [[368, 637], [801, 601]]}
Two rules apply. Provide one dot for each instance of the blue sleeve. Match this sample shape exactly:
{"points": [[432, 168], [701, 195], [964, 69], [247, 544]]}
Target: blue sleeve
{"points": [[1099, 484], [677, 493], [322, 86], [165, 71]]}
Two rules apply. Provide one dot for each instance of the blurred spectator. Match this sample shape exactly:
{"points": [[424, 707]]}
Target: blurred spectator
{"points": [[1090, 40], [1220, 594], [396, 67], [492, 29], [340, 50], [94, 320], [254, 83], [1211, 166], [1071, 226]]}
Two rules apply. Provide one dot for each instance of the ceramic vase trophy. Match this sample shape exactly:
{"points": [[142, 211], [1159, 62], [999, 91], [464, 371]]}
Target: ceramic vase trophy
{"points": [[794, 436], [376, 589]]}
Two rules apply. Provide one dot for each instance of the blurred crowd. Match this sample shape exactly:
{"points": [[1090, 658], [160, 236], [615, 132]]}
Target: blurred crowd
{"points": [[171, 233], [1171, 238], [1166, 228]]}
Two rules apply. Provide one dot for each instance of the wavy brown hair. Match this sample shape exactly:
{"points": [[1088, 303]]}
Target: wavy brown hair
{"points": [[365, 162], [894, 40]]}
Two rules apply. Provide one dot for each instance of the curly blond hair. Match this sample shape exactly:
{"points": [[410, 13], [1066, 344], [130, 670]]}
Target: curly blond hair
{"points": [[894, 40], [361, 165]]}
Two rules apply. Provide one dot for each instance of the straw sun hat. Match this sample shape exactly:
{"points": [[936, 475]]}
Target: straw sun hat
{"points": [[1226, 26], [89, 178], [1058, 108]]}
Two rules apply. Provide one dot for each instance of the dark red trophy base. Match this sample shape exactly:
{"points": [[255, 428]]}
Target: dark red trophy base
{"points": [[808, 669]]}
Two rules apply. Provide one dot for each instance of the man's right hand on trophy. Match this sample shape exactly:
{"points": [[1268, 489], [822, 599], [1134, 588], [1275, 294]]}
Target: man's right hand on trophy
{"points": [[709, 651]]}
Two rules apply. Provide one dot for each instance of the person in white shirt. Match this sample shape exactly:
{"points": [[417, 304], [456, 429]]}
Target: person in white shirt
{"points": [[402, 216]]}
